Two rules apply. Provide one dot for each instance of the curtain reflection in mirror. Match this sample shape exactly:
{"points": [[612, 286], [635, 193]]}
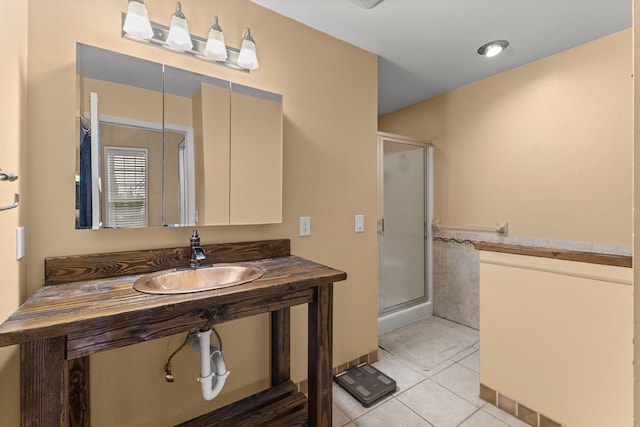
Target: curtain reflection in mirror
{"points": [[84, 182]]}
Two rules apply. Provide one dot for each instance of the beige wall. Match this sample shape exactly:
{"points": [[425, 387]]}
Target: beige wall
{"points": [[13, 150], [547, 146], [124, 101], [636, 215], [557, 336], [329, 174]]}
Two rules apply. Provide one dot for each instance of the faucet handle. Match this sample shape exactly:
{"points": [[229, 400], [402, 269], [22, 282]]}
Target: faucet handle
{"points": [[199, 253], [195, 238]]}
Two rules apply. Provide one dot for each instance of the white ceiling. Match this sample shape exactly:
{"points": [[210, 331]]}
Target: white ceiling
{"points": [[428, 47]]}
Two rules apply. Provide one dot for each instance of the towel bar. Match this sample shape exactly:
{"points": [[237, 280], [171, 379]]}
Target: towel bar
{"points": [[16, 201], [501, 228]]}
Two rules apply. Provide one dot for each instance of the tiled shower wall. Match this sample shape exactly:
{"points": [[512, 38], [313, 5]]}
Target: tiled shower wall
{"points": [[456, 279], [456, 269]]}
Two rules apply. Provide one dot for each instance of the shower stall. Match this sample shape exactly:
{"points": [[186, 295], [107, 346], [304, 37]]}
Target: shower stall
{"points": [[405, 241]]}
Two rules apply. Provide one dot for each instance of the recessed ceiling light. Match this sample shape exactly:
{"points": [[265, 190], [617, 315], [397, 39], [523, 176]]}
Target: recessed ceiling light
{"points": [[493, 48]]}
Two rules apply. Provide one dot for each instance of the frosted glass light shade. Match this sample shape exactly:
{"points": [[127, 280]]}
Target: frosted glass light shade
{"points": [[216, 48], [247, 58], [179, 37], [137, 23]]}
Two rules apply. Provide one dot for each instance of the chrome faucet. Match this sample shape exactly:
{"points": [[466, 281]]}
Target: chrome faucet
{"points": [[197, 253]]}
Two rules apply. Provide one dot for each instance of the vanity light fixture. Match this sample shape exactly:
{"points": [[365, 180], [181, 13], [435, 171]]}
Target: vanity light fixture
{"points": [[247, 58], [137, 23], [177, 38], [215, 48], [493, 48]]}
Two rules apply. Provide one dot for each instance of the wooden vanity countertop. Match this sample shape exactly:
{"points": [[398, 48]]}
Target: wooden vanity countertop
{"points": [[86, 309]]}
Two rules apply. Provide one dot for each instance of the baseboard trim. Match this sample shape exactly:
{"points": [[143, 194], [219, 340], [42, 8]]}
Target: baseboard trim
{"points": [[517, 409]]}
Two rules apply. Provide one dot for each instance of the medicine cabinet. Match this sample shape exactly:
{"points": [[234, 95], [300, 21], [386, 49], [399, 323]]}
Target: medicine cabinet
{"points": [[163, 147]]}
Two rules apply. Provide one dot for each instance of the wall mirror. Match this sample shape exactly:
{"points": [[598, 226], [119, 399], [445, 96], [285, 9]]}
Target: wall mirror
{"points": [[165, 147]]}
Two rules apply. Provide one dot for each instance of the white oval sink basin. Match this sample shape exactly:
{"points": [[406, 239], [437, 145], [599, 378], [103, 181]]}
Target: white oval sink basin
{"points": [[183, 281]]}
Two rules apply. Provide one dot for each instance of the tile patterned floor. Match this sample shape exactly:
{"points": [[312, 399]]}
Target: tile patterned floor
{"points": [[435, 364]]}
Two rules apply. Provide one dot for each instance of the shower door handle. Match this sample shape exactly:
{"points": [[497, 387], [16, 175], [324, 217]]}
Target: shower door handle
{"points": [[381, 225]]}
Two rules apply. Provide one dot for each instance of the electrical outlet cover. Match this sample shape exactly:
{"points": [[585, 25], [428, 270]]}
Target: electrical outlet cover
{"points": [[305, 226]]}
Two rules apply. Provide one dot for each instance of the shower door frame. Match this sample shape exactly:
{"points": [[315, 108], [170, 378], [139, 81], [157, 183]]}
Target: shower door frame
{"points": [[412, 310]]}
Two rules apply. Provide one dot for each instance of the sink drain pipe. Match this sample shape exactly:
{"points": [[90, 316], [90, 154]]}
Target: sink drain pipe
{"points": [[213, 372]]}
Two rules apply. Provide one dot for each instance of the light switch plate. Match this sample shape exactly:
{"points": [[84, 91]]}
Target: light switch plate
{"points": [[305, 225], [359, 223]]}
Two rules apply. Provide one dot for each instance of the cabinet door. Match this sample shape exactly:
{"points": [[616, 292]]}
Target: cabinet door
{"points": [[196, 176], [256, 156], [211, 122], [130, 117]]}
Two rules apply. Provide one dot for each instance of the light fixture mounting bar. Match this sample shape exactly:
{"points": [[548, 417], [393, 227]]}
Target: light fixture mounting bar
{"points": [[159, 39]]}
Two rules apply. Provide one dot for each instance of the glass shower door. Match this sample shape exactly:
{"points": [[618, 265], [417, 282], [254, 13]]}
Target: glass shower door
{"points": [[402, 229]]}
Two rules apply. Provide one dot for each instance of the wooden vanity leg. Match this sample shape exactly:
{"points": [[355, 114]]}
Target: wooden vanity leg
{"points": [[321, 356], [44, 378], [79, 392], [280, 346]]}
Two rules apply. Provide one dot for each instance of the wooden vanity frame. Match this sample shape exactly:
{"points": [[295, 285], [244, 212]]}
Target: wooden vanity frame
{"points": [[88, 305]]}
